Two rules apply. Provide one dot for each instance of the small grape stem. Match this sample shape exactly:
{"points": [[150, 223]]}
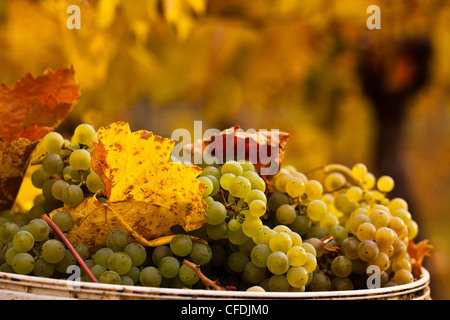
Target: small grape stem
{"points": [[69, 246], [206, 281], [336, 249]]}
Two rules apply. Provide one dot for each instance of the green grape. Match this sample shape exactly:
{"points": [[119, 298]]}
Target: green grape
{"points": [[110, 277], [259, 254], [385, 184], [253, 273], [94, 183], [70, 174], [63, 220], [413, 229], [356, 221], [379, 218], [57, 189], [295, 187], [85, 134], [7, 231], [237, 237], [23, 241], [126, 280], [72, 196], [52, 142], [301, 224], [297, 256], [278, 283], [80, 160], [233, 167], [339, 233], [295, 237], [309, 248], [137, 253], [23, 263], [134, 274], [160, 252], [43, 269], [201, 253], [350, 248], [256, 181], [216, 213], [403, 214], [366, 231], [208, 185], [36, 212], [341, 266], [97, 270], [83, 251], [237, 261], [187, 275], [181, 245], [240, 187], [313, 190], [10, 254], [252, 226], [320, 282], [297, 276], [264, 236], [225, 180], [278, 262], [384, 237], [367, 250], [317, 247], [119, 262], [403, 277], [247, 166], [341, 284], [328, 222], [281, 228], [215, 183], [280, 241], [344, 205], [316, 210], [354, 193], [218, 231], [211, 170], [39, 177], [102, 255], [400, 228], [382, 261], [255, 194], [277, 199], [234, 225], [67, 260], [52, 251], [116, 240], [334, 181], [311, 262], [396, 204], [399, 249], [286, 214], [52, 163], [369, 181], [359, 171], [402, 263]]}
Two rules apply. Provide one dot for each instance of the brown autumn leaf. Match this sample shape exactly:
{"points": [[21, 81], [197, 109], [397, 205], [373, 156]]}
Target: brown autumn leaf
{"points": [[265, 149], [34, 107], [417, 252], [146, 193]]}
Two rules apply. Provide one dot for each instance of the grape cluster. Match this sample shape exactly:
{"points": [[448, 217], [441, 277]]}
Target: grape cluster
{"points": [[29, 245], [65, 175], [351, 223]]}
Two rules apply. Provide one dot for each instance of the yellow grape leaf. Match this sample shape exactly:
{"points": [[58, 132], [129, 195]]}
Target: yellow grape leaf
{"points": [[147, 194]]}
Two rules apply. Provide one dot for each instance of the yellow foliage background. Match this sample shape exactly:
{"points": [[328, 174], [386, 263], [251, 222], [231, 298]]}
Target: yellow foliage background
{"points": [[287, 64]]}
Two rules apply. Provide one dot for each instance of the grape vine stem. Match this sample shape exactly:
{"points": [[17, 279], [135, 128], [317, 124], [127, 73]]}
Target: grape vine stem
{"points": [[69, 246], [206, 281]]}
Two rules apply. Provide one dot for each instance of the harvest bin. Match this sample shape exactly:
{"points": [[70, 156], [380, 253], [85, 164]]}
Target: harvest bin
{"points": [[15, 286]]}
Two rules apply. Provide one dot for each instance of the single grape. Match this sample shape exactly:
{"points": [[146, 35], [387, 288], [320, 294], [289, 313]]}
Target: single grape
{"points": [[208, 185], [225, 180], [169, 267], [52, 163], [43, 269], [66, 261], [237, 261], [211, 170], [297, 277], [233, 167], [85, 134], [354, 193], [72, 196], [234, 225], [316, 210], [57, 189], [10, 254], [63, 220], [301, 224], [137, 253], [80, 160], [181, 245], [328, 222], [119, 262], [320, 282], [313, 190], [341, 266], [256, 181], [201, 253], [379, 218], [71, 175], [52, 142], [7, 231], [53, 251], [23, 263], [216, 213], [297, 256], [385, 237], [366, 231], [382, 261], [240, 187], [350, 248], [385, 183], [237, 237], [295, 187], [311, 262], [334, 181], [403, 277], [39, 177], [110, 277], [102, 255], [252, 226], [23, 241], [359, 171], [116, 240], [280, 241], [83, 251], [187, 275], [278, 283], [368, 250], [247, 166], [253, 273], [94, 183], [341, 284], [259, 254], [278, 262], [219, 231], [286, 214]]}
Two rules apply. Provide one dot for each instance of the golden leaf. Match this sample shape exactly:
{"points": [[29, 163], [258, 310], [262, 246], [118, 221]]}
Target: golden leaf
{"points": [[147, 194]]}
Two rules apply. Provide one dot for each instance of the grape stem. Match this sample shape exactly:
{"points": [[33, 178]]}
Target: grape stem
{"points": [[69, 246], [336, 249], [206, 281]]}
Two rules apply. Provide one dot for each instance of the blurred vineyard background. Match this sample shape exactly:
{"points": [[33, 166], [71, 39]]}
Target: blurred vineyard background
{"points": [[312, 68]]}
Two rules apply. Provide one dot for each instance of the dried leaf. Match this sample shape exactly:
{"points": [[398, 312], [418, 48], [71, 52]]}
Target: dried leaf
{"points": [[265, 149], [417, 252], [34, 107], [147, 194]]}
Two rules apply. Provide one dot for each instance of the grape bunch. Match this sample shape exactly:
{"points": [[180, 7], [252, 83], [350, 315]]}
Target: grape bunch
{"points": [[65, 175]]}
